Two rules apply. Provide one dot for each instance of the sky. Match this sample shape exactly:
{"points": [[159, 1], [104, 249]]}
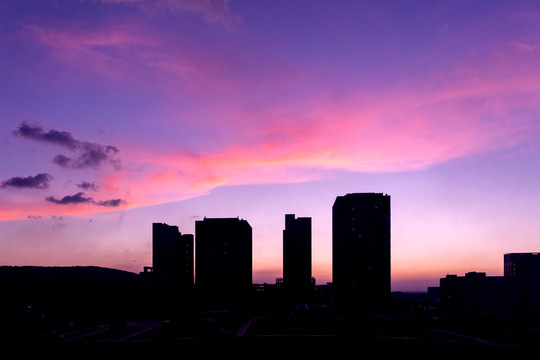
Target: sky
{"points": [[115, 114]]}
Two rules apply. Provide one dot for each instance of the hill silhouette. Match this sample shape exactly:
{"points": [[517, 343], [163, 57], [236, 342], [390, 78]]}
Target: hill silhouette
{"points": [[36, 298]]}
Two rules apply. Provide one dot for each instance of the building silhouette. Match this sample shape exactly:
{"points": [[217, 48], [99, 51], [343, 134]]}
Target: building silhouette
{"points": [[361, 251], [297, 280], [525, 265], [171, 276], [524, 271], [223, 262], [476, 293], [516, 294]]}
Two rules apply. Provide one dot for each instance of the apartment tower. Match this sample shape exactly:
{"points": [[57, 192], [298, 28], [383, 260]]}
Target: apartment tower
{"points": [[297, 279], [361, 250]]}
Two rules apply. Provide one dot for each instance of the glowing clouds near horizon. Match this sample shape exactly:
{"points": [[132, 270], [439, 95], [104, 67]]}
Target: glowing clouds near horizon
{"points": [[368, 135], [244, 113]]}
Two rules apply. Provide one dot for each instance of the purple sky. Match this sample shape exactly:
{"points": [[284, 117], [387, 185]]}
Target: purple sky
{"points": [[119, 113]]}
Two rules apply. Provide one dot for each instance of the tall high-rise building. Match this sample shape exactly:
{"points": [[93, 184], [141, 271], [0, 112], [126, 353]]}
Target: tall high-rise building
{"points": [[523, 270], [297, 258], [172, 266], [522, 265], [223, 261], [361, 250]]}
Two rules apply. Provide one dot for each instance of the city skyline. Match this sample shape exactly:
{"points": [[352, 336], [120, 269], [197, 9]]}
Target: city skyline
{"points": [[221, 255], [117, 114]]}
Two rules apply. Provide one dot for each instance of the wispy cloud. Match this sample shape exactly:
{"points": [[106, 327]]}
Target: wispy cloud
{"points": [[212, 11], [477, 107]]}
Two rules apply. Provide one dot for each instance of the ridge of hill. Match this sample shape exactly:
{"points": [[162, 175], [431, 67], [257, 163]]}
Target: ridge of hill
{"points": [[68, 293]]}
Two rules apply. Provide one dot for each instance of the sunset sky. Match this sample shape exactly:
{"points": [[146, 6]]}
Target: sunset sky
{"points": [[115, 114]]}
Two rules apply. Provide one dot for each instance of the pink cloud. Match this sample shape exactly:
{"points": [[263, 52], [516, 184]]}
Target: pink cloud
{"points": [[129, 52], [399, 131], [19, 208], [414, 127], [213, 11], [468, 108], [106, 51], [405, 130]]}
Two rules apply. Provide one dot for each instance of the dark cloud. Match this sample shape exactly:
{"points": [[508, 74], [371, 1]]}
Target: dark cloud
{"points": [[62, 160], [35, 132], [88, 186], [82, 198], [90, 155], [111, 203], [78, 198], [40, 181], [93, 155], [39, 217]]}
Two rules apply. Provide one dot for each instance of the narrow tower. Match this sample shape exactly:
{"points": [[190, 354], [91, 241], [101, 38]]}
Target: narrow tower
{"points": [[297, 258]]}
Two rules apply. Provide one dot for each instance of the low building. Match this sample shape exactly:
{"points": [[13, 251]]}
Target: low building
{"points": [[477, 293]]}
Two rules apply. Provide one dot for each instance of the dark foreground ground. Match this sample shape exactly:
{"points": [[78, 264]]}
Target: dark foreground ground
{"points": [[85, 312], [321, 336]]}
